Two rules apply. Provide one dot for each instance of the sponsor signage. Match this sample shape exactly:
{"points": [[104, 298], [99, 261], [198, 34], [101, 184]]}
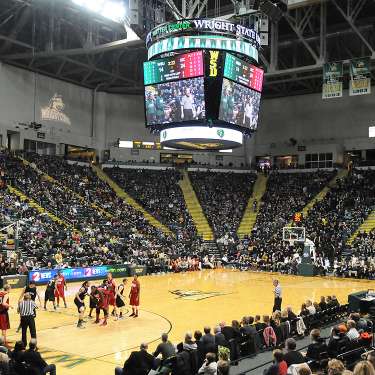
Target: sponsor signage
{"points": [[15, 281], [199, 26], [71, 274]]}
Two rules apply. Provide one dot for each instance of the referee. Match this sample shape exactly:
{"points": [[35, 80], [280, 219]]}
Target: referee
{"points": [[26, 309], [278, 297]]}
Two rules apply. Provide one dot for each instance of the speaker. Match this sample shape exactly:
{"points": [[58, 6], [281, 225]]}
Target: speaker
{"points": [[271, 10]]}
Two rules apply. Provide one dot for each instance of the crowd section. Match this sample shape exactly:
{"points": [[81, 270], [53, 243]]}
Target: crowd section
{"points": [[102, 229], [93, 238], [223, 197], [333, 342], [159, 193]]}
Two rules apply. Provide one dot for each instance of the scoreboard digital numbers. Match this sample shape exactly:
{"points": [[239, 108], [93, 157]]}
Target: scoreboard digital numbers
{"points": [[188, 65], [242, 72]]}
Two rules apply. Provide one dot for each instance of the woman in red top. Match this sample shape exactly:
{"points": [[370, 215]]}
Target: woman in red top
{"points": [[4, 307], [135, 291], [112, 288], [61, 287], [279, 366]]}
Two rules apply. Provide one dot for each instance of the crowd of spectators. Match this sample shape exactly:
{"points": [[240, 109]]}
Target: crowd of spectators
{"points": [[223, 197], [214, 351], [159, 193]]}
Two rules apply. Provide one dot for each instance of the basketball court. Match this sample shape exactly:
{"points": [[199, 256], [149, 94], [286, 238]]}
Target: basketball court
{"points": [[174, 303]]}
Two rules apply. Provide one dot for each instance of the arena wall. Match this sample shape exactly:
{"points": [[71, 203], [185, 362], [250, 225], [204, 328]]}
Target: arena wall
{"points": [[320, 125]]}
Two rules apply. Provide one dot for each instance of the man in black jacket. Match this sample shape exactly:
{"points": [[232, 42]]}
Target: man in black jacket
{"points": [[292, 356], [33, 358], [139, 363]]}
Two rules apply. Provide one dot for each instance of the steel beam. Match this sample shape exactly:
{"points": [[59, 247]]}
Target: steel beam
{"points": [[348, 19]]}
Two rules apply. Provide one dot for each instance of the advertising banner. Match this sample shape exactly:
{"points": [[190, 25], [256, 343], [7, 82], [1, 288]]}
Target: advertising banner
{"points": [[360, 78], [332, 80], [78, 274]]}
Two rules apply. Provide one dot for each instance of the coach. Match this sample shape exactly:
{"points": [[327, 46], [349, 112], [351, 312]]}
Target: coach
{"points": [[278, 296], [26, 309]]}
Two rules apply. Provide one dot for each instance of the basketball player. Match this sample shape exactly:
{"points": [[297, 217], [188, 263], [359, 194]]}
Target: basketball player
{"points": [[102, 296], [93, 300], [111, 288], [49, 294], [4, 307], [60, 288], [135, 290], [79, 301], [120, 298]]}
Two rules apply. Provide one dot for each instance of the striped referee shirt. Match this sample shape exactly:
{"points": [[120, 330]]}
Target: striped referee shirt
{"points": [[27, 308], [277, 291]]}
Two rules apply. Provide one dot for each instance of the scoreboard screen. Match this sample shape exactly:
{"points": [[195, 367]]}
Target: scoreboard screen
{"points": [[188, 65], [242, 72]]}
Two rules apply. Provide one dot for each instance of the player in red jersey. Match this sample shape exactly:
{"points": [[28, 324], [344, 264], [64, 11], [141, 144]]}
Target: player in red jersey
{"points": [[61, 287], [112, 289], [135, 290], [102, 296], [4, 307]]}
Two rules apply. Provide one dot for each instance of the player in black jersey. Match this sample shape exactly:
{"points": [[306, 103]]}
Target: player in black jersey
{"points": [[49, 294], [31, 289], [93, 300], [120, 298], [79, 301]]}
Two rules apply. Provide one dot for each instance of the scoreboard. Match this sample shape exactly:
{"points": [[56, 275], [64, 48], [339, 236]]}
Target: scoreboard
{"points": [[242, 72], [188, 65]]}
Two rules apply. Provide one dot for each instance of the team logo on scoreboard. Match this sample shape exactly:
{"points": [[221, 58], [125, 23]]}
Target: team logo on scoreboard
{"points": [[195, 295], [164, 134], [220, 133], [54, 111]]}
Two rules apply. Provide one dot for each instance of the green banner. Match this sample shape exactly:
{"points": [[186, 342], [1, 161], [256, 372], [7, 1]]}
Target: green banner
{"points": [[360, 78], [332, 80]]}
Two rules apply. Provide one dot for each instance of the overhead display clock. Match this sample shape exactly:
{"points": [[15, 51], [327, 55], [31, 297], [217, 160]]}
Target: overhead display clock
{"points": [[187, 65]]}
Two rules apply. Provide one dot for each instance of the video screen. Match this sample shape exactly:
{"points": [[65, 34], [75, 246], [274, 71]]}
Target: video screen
{"points": [[175, 101], [239, 105]]}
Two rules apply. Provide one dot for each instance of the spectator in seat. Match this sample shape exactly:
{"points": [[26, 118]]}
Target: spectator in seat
{"points": [[304, 311], [364, 368], [219, 337], [317, 346], [310, 307], [208, 340], [33, 358], [292, 356], [209, 366], [222, 367], [258, 324], [352, 333], [335, 367], [139, 363], [371, 358], [291, 314], [336, 342], [279, 366], [165, 348], [322, 303], [189, 344]]}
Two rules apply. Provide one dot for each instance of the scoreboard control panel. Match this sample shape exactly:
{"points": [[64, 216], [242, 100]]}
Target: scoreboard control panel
{"points": [[242, 72], [188, 65]]}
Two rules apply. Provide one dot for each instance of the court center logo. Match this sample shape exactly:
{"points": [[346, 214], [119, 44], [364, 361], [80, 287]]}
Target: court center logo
{"points": [[195, 295], [54, 111]]}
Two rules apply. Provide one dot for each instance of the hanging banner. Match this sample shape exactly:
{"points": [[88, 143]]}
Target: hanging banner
{"points": [[332, 80], [360, 78]]}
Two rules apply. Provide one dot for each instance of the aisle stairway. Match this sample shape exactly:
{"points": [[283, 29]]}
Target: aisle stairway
{"points": [[129, 200], [35, 205], [367, 226], [342, 173], [249, 217], [195, 209]]}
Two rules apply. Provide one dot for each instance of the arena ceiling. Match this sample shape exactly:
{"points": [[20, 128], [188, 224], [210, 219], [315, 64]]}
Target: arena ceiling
{"points": [[60, 39]]}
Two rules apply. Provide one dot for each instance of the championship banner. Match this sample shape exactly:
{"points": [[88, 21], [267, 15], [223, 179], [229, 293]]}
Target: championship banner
{"points": [[360, 79], [332, 80]]}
